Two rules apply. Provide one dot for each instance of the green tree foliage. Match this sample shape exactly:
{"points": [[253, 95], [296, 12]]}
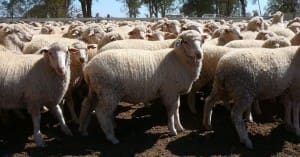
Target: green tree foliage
{"points": [[156, 7], [283, 5], [132, 7], [199, 7], [16, 8]]}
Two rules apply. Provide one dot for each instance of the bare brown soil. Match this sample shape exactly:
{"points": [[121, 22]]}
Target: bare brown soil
{"points": [[143, 132]]}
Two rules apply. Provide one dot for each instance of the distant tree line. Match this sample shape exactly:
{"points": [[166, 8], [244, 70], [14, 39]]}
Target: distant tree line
{"points": [[156, 8]]}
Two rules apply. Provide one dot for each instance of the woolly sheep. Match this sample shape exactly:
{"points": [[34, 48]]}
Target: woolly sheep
{"points": [[19, 87], [264, 35], [295, 27], [138, 44], [13, 37], [111, 78], [276, 42], [255, 73], [277, 17], [272, 42], [296, 39], [256, 24], [93, 34], [227, 34]]}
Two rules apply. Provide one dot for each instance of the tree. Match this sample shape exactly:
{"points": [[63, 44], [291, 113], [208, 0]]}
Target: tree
{"points": [[49, 8], [284, 6], [157, 7], [258, 3], [13, 7], [86, 7], [243, 6], [132, 7]]}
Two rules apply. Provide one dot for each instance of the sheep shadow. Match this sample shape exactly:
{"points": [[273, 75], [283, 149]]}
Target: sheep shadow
{"points": [[224, 140]]}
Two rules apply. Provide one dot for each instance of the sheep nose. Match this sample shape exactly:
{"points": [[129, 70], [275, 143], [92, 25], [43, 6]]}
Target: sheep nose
{"points": [[60, 71], [81, 59]]}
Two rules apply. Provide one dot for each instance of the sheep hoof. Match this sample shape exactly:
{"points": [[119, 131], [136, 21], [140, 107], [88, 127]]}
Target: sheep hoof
{"points": [[207, 127], [40, 144], [67, 131], [248, 144], [113, 140]]}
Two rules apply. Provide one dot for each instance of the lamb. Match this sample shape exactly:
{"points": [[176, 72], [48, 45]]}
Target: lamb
{"points": [[30, 81], [14, 37], [111, 78], [257, 73], [138, 44]]}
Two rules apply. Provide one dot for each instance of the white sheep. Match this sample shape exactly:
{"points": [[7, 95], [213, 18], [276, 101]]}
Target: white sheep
{"points": [[227, 34], [272, 42], [255, 74], [13, 37], [140, 76], [31, 81], [138, 44]]}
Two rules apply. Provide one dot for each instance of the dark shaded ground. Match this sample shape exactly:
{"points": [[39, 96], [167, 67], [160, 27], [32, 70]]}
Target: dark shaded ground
{"points": [[143, 132]]}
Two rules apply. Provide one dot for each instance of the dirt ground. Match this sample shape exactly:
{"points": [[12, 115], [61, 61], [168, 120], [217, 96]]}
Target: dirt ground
{"points": [[143, 132]]}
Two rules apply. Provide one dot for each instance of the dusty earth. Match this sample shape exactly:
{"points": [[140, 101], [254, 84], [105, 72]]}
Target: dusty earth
{"points": [[143, 132]]}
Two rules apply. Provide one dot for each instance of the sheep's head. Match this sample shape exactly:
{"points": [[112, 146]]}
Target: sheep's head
{"points": [[232, 33], [277, 17], [256, 24], [57, 56], [48, 29], [191, 41], [79, 52], [192, 26], [155, 35], [138, 32], [276, 42], [264, 35], [173, 26], [93, 34], [109, 37]]}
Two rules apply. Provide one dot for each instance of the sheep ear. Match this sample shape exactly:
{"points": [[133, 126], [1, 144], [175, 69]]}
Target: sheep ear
{"points": [[112, 38], [76, 32], [7, 30], [130, 33], [91, 33], [92, 46], [73, 50]]}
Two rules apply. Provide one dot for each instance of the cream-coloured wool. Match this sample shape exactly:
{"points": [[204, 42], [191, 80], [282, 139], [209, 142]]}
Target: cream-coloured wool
{"points": [[31, 81], [136, 76]]}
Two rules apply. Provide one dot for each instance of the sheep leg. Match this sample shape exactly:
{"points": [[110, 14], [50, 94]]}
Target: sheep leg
{"points": [[70, 105], [36, 118], [56, 110], [256, 107], [296, 118], [85, 115], [171, 105], [237, 117], [287, 115], [207, 111], [104, 113], [191, 102], [178, 124]]}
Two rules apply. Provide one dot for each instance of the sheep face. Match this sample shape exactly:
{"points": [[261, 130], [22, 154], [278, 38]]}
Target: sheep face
{"points": [[264, 35], [57, 56], [173, 26], [231, 34], [93, 35], [16, 32], [79, 52], [192, 42]]}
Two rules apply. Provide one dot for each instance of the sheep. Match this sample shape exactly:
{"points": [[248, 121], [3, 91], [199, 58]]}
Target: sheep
{"points": [[93, 34], [257, 73], [227, 34], [138, 44], [277, 18], [138, 32], [295, 27], [14, 37], [109, 37], [264, 35], [118, 81], [272, 42], [255, 24], [49, 29], [296, 39], [30, 81], [276, 42]]}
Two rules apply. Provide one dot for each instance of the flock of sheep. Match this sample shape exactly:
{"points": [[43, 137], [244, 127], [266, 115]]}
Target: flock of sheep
{"points": [[42, 64]]}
